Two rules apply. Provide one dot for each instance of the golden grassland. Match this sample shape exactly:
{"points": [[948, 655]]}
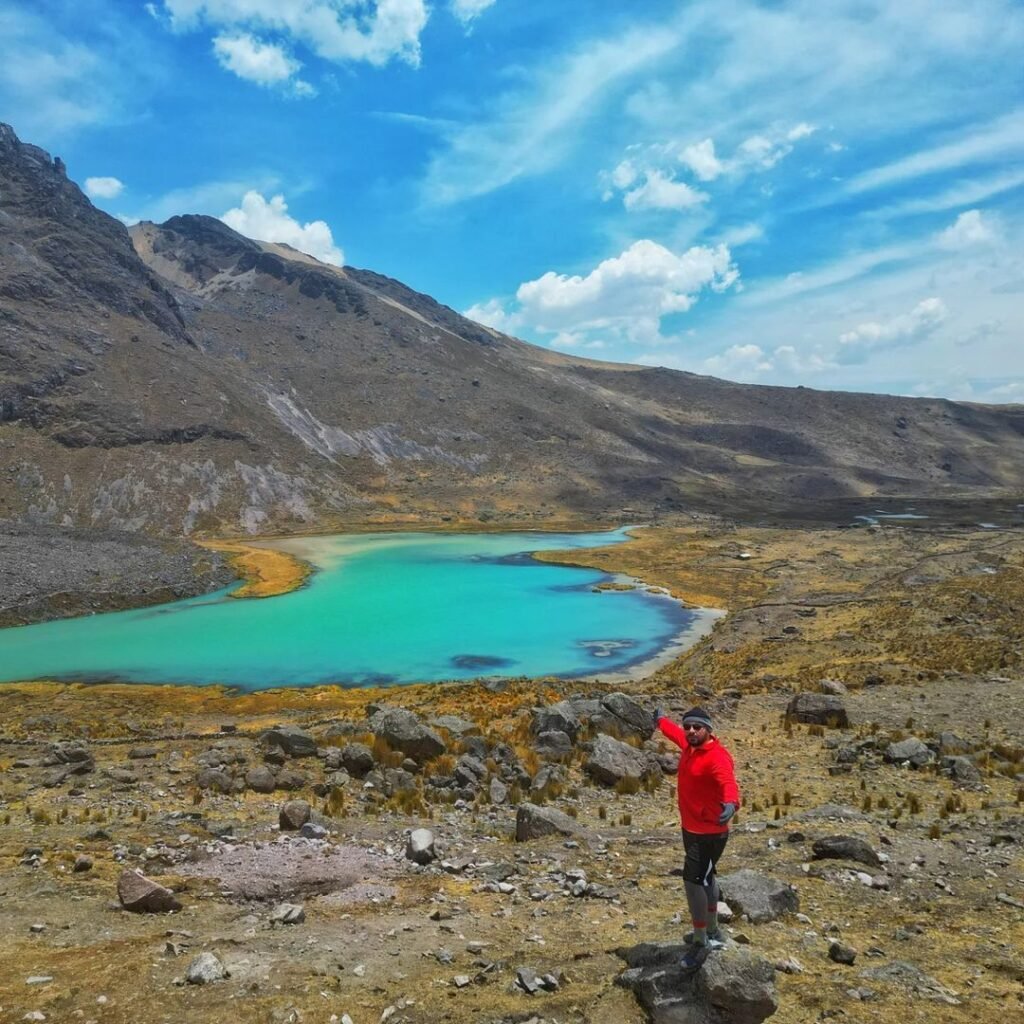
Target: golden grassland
{"points": [[266, 572]]}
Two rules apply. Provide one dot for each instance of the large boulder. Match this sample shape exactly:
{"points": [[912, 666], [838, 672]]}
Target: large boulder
{"points": [[294, 814], [758, 896], [215, 779], [560, 717], [913, 750], [205, 969], [611, 761], [404, 731], [142, 895], [553, 743], [626, 716], [733, 986], [845, 848], [290, 739], [261, 779], [533, 822], [818, 709], [357, 759], [961, 769]]}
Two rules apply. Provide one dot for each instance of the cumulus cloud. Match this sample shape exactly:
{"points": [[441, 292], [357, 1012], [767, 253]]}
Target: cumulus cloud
{"points": [[467, 10], [655, 167], [103, 188], [700, 158], [493, 314], [659, 192], [375, 31], [750, 362], [906, 329], [969, 230], [271, 222], [255, 61]]}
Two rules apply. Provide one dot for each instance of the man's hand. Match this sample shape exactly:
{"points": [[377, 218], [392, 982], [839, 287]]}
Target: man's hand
{"points": [[658, 716], [728, 810]]}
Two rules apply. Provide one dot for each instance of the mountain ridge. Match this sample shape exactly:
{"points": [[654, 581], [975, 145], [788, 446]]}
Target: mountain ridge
{"points": [[181, 378]]}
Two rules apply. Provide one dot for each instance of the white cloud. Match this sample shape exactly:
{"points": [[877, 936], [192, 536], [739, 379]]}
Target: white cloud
{"points": [[375, 31], [103, 188], [530, 130], [492, 314], [738, 361], [995, 140], [659, 192], [742, 234], [467, 10], [906, 329], [270, 222], [255, 61], [968, 231], [962, 193], [700, 158]]}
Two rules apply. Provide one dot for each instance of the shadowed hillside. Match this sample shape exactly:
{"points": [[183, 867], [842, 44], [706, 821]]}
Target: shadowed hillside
{"points": [[184, 378]]}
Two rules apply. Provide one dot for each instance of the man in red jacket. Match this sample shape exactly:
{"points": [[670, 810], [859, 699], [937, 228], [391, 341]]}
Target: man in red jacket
{"points": [[708, 798]]}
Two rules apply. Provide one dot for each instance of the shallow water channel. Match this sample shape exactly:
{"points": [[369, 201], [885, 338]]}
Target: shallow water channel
{"points": [[384, 608]]}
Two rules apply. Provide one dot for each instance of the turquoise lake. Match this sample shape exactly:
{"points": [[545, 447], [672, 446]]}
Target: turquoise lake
{"points": [[380, 609]]}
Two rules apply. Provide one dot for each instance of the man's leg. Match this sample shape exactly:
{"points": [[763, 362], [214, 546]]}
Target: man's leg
{"points": [[712, 891], [695, 868], [697, 900]]}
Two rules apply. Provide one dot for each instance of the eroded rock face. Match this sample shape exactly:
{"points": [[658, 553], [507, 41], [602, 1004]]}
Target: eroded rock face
{"points": [[760, 897], [294, 814], [733, 986], [142, 895], [560, 717]]}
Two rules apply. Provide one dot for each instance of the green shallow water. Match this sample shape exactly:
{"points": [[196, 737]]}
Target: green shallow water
{"points": [[380, 609]]}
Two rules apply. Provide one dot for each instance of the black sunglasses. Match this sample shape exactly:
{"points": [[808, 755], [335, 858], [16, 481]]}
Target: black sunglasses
{"points": [[693, 727]]}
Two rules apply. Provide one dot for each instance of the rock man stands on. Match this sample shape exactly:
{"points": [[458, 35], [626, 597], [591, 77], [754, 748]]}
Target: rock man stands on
{"points": [[708, 798]]}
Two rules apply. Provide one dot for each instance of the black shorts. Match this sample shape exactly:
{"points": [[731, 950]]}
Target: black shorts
{"points": [[702, 853]]}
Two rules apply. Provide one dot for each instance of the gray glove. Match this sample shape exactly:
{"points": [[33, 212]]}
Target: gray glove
{"points": [[728, 810], [658, 716]]}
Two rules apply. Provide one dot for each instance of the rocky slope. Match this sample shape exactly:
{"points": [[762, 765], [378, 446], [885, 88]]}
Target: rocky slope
{"points": [[184, 378]]}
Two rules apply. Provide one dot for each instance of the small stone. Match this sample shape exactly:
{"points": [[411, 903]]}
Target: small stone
{"points": [[141, 895], [39, 979], [841, 954], [82, 863], [288, 913], [420, 847], [460, 980], [206, 968]]}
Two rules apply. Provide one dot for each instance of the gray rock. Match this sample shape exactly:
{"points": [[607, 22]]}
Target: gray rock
{"points": [[294, 814], [758, 896], [311, 830], [357, 759], [841, 954], [907, 976], [289, 778], [611, 760], [142, 895], [553, 744], [961, 769], [533, 822], [469, 771], [402, 730], [733, 986], [288, 913], [631, 718], [560, 717], [456, 726], [72, 752], [818, 709], [261, 779], [291, 739], [82, 863], [206, 968], [498, 791], [832, 687], [420, 847], [845, 848], [950, 743], [142, 753], [912, 750], [215, 779], [331, 757]]}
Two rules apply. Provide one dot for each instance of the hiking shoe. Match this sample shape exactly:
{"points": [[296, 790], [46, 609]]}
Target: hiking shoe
{"points": [[716, 940], [694, 956]]}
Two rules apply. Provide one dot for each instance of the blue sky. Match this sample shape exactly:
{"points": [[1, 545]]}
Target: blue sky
{"points": [[779, 192]]}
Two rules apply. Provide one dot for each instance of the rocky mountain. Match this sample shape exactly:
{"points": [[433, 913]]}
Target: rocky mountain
{"points": [[181, 378]]}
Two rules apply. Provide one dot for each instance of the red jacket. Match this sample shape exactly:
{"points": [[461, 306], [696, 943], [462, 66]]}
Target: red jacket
{"points": [[706, 780]]}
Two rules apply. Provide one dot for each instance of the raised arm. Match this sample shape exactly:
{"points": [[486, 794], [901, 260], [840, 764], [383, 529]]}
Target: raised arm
{"points": [[672, 730]]}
